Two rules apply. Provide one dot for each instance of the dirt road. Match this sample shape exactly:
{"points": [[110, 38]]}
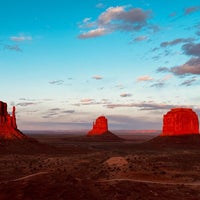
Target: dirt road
{"points": [[151, 182]]}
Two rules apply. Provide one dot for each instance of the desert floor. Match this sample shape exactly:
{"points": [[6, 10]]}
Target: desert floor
{"points": [[80, 169]]}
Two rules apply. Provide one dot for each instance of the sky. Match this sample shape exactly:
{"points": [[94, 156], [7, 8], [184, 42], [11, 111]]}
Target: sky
{"points": [[63, 63]]}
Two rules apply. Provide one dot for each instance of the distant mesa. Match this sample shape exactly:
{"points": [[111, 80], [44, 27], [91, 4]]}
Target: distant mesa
{"points": [[100, 126], [180, 121], [100, 131], [8, 125]]}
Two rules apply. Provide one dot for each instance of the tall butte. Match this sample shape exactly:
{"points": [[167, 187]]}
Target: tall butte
{"points": [[8, 125], [100, 126], [180, 121]]}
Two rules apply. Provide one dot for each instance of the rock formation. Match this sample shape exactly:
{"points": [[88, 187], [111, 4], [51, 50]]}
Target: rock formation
{"points": [[8, 125], [100, 126], [180, 121], [100, 132]]}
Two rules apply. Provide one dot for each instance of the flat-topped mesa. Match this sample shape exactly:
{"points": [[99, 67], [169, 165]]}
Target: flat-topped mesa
{"points": [[8, 125], [100, 126], [180, 121]]}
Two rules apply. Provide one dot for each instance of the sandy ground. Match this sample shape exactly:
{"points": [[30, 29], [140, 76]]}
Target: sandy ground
{"points": [[101, 170]]}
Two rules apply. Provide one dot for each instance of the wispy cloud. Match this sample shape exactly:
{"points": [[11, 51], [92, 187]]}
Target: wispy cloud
{"points": [[56, 112], [190, 67], [86, 20], [120, 86], [118, 18], [144, 106], [198, 33], [21, 38], [189, 82], [56, 82], [145, 78], [68, 111], [125, 95], [100, 5], [163, 69], [158, 84], [192, 49], [192, 9], [97, 77], [154, 49], [24, 104], [87, 102], [173, 14], [54, 109], [167, 77], [13, 48], [93, 33], [176, 41], [26, 99], [140, 38]]}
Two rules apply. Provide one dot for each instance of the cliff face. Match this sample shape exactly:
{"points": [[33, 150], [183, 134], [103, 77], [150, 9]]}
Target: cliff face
{"points": [[100, 126], [180, 121], [8, 125]]}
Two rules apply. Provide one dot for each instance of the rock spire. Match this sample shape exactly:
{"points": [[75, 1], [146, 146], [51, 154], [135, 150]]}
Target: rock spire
{"points": [[100, 126], [8, 125]]}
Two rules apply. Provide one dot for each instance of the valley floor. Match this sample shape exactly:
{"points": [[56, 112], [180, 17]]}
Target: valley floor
{"points": [[101, 170]]}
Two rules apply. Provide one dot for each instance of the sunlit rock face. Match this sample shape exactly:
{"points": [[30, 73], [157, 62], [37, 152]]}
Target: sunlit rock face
{"points": [[100, 126], [180, 121], [8, 126]]}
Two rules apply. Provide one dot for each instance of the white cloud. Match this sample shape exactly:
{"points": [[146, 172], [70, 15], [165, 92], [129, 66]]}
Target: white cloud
{"points": [[189, 82], [86, 20], [26, 104], [145, 78], [88, 100], [21, 38], [56, 82], [97, 77], [110, 14], [125, 95], [13, 48], [145, 106], [93, 33], [140, 38], [192, 66], [100, 5], [120, 86], [167, 77], [117, 18]]}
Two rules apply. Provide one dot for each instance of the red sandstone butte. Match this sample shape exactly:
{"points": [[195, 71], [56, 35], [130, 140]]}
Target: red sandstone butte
{"points": [[100, 126], [8, 125], [180, 121]]}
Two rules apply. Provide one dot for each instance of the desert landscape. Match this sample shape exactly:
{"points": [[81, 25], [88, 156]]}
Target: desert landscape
{"points": [[101, 170], [100, 164], [99, 100]]}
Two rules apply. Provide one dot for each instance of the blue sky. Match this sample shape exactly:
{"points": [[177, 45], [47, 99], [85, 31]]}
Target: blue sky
{"points": [[63, 63]]}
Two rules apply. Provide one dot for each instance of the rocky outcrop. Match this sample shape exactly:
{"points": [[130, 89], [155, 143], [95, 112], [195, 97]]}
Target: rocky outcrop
{"points": [[100, 132], [8, 125], [180, 121], [100, 126]]}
